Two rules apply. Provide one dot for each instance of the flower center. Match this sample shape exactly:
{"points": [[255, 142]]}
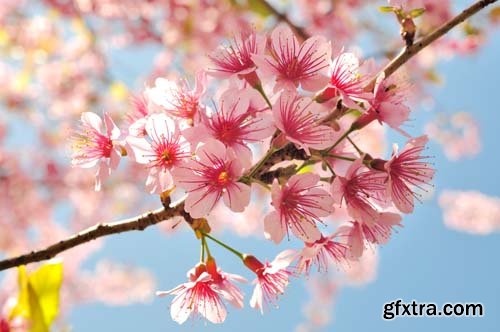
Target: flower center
{"points": [[223, 178]]}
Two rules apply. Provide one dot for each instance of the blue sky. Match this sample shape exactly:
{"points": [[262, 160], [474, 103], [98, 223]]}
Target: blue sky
{"points": [[425, 261]]}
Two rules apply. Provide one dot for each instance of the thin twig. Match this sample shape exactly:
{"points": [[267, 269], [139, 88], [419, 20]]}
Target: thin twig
{"points": [[408, 52]]}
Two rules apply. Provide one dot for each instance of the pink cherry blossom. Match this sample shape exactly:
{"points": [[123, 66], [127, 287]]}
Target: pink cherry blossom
{"points": [[233, 125], [198, 296], [272, 278], [359, 189], [358, 234], [298, 205], [346, 82], [224, 283], [388, 103], [95, 145], [321, 253], [297, 118], [176, 98], [236, 58], [213, 174], [408, 170], [292, 63], [164, 150]]}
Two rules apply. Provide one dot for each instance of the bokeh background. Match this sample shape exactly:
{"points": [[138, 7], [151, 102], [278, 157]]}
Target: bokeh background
{"points": [[425, 261]]}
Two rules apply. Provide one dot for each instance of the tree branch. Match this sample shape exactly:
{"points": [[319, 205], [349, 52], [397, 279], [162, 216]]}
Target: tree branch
{"points": [[408, 52], [284, 18], [137, 223]]}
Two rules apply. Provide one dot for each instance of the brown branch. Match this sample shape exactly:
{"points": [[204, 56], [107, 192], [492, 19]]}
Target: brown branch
{"points": [[137, 223], [300, 32], [408, 52]]}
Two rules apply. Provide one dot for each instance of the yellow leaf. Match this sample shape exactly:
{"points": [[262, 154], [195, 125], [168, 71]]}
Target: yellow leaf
{"points": [[306, 169], [46, 282], [38, 299]]}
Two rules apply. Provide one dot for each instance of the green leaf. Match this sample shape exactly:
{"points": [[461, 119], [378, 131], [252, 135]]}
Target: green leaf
{"points": [[414, 13], [386, 9]]}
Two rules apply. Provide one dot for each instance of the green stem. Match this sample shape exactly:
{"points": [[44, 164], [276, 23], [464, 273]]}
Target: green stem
{"points": [[355, 146], [206, 246], [261, 162], [263, 94], [202, 253], [341, 157], [305, 164], [340, 139], [222, 244]]}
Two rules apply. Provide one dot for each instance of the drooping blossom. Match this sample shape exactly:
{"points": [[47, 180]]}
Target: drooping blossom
{"points": [[272, 278], [96, 145], [320, 253], [293, 64], [360, 189], [298, 206], [388, 104], [176, 98], [236, 58], [224, 283], [346, 82], [198, 296], [232, 125], [406, 171], [470, 211], [163, 150], [213, 174], [296, 117]]}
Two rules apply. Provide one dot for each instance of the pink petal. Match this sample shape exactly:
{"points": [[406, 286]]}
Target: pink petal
{"points": [[273, 228]]}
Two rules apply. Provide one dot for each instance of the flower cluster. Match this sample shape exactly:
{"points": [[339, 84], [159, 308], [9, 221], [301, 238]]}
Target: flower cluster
{"points": [[283, 99]]}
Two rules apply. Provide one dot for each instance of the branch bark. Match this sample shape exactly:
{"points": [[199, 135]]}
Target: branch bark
{"points": [[138, 223]]}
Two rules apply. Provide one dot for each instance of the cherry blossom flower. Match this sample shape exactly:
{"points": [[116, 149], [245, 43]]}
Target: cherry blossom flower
{"points": [[320, 253], [213, 174], [297, 118], [224, 282], [406, 170], [233, 125], [298, 204], [470, 211], [236, 58], [198, 296], [272, 278], [387, 104], [176, 98], [293, 64], [95, 145], [165, 150], [346, 82], [360, 190]]}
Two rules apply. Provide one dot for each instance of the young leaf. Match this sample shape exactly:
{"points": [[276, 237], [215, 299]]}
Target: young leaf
{"points": [[414, 13]]}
